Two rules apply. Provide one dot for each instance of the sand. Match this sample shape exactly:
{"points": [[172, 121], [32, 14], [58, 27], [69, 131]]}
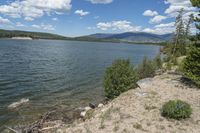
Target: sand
{"points": [[138, 110]]}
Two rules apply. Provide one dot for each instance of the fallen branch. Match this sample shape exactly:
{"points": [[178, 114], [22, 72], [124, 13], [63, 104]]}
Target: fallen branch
{"points": [[12, 129], [36, 126], [48, 128]]}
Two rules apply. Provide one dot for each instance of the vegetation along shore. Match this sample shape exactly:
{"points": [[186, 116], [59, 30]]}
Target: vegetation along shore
{"points": [[161, 95]]}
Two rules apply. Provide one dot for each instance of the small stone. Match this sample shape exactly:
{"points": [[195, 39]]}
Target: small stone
{"points": [[145, 83], [92, 106], [83, 114], [87, 108], [100, 105]]}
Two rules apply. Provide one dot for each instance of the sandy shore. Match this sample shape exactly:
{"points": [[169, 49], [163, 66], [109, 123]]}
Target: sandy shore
{"points": [[138, 110]]}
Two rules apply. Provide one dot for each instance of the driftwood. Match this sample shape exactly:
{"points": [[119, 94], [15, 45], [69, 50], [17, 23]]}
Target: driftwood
{"points": [[37, 126], [11, 129]]}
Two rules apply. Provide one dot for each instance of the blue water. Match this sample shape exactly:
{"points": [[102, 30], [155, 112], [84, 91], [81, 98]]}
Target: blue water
{"points": [[57, 74]]}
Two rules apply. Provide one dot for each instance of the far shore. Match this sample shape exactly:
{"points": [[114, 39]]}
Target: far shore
{"points": [[100, 41], [22, 38]]}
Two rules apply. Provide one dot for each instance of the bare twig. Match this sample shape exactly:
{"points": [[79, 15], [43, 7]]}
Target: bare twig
{"points": [[12, 129]]}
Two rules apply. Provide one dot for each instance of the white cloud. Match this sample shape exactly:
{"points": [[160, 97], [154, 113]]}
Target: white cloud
{"points": [[163, 28], [177, 5], [28, 19], [100, 1], [150, 13], [172, 24], [4, 21], [19, 24], [44, 26], [35, 26], [34, 8], [157, 19], [118, 25], [81, 13]]}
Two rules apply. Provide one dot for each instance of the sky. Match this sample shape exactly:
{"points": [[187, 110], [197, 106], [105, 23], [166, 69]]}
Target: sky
{"points": [[82, 17]]}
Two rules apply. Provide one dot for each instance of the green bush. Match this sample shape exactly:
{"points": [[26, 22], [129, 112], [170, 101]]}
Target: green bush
{"points": [[158, 61], [191, 66], [146, 69], [176, 110], [119, 78]]}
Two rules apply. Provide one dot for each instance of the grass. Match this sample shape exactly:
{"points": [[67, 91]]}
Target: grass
{"points": [[87, 129], [89, 114], [104, 116], [107, 116], [149, 107], [137, 126]]}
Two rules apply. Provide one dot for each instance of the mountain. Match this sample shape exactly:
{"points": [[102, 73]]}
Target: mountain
{"points": [[100, 35], [133, 37], [34, 35], [129, 37], [167, 36]]}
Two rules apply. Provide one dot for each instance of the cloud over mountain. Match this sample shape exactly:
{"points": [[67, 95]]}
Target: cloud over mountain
{"points": [[118, 25]]}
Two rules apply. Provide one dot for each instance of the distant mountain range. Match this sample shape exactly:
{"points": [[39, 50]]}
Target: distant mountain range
{"points": [[133, 37], [130, 37]]}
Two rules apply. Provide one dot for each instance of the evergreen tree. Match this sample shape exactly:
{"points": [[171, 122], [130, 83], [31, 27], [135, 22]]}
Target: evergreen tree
{"points": [[192, 63], [180, 40], [188, 25]]}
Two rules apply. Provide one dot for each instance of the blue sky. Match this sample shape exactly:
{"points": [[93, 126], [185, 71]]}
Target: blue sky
{"points": [[82, 17]]}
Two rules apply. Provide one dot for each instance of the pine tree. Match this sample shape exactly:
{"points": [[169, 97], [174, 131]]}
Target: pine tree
{"points": [[192, 63], [180, 40], [188, 25]]}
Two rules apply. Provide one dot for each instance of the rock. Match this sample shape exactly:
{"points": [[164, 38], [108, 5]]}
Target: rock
{"points": [[81, 108], [100, 105], [83, 114], [19, 103], [105, 101], [144, 83], [92, 106], [87, 108], [140, 94]]}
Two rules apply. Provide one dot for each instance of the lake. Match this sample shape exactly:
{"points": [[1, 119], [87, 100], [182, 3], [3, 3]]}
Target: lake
{"points": [[57, 74]]}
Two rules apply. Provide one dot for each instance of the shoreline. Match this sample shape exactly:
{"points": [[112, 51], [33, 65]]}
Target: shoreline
{"points": [[132, 107], [138, 110], [102, 41]]}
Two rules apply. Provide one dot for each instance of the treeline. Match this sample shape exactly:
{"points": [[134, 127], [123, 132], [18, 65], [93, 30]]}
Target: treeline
{"points": [[183, 53], [34, 35]]}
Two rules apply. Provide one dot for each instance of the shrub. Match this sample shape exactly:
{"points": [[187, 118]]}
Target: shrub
{"points": [[146, 68], [158, 61], [176, 110], [119, 78], [191, 66]]}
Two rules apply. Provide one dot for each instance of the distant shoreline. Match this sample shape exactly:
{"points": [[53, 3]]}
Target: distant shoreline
{"points": [[75, 39], [22, 38]]}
